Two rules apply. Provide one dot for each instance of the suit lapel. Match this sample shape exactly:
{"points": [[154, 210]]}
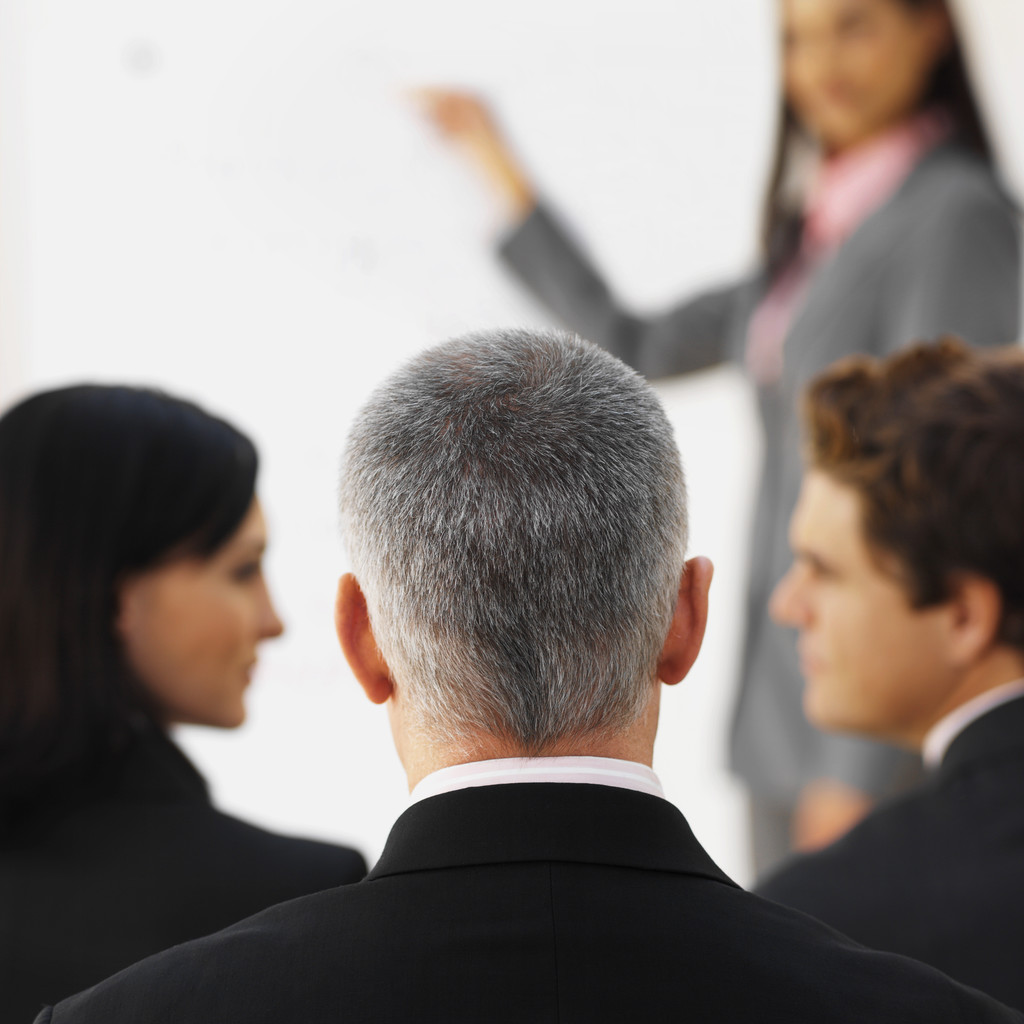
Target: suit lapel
{"points": [[577, 823]]}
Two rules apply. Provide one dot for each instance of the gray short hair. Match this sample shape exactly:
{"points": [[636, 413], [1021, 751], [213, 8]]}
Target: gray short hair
{"points": [[515, 512]]}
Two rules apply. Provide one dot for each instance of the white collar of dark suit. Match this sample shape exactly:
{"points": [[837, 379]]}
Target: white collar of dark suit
{"points": [[601, 771], [942, 734]]}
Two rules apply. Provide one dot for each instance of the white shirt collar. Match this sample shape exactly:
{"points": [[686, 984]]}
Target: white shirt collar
{"points": [[941, 735], [600, 771]]}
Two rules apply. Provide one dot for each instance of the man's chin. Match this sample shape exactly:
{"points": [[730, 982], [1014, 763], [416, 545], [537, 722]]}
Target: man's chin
{"points": [[821, 712]]}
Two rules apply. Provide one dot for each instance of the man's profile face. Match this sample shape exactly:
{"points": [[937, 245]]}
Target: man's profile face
{"points": [[872, 664]]}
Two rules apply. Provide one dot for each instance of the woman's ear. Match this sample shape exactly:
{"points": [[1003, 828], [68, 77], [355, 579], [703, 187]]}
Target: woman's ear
{"points": [[686, 633], [358, 644]]}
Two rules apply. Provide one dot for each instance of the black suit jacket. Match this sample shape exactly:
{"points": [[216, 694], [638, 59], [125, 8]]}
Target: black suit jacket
{"points": [[530, 903], [939, 874], [133, 861]]}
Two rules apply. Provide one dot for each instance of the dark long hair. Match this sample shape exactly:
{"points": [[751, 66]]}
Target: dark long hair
{"points": [[95, 482], [950, 88]]}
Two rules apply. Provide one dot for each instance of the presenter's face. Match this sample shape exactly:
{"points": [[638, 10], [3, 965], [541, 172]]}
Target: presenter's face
{"points": [[190, 627], [872, 664], [854, 68]]}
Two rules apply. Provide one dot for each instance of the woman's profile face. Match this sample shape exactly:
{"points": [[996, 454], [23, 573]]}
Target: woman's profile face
{"points": [[190, 628], [854, 68]]}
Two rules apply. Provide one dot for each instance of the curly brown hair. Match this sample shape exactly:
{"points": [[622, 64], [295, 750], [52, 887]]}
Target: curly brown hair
{"points": [[932, 438]]}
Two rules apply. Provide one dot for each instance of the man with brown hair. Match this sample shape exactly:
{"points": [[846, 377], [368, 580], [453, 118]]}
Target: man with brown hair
{"points": [[907, 589]]}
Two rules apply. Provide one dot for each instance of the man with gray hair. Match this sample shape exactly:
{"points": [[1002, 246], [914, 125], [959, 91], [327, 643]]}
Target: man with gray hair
{"points": [[516, 517]]}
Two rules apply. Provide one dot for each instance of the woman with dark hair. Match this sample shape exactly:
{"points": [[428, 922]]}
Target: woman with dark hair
{"points": [[132, 598], [885, 223]]}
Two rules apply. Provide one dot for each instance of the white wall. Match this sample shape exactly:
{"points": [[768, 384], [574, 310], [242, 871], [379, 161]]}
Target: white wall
{"points": [[13, 197], [236, 200], [994, 33]]}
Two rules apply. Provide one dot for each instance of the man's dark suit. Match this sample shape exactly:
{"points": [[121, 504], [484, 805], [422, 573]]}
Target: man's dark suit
{"points": [[130, 861], [531, 903], [939, 874]]}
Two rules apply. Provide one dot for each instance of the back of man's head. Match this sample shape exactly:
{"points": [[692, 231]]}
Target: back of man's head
{"points": [[932, 440], [515, 513]]}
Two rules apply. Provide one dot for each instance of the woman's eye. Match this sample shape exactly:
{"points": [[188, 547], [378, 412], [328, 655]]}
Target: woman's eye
{"points": [[247, 571]]}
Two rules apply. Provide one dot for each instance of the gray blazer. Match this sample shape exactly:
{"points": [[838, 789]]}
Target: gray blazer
{"points": [[941, 256]]}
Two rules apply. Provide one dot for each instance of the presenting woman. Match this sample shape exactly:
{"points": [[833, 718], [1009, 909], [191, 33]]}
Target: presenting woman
{"points": [[132, 598], [884, 223]]}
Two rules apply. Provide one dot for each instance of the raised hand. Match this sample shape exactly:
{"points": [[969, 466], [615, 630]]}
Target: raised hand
{"points": [[467, 120]]}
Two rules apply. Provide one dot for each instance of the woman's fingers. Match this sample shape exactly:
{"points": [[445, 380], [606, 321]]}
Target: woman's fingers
{"points": [[467, 119], [460, 114]]}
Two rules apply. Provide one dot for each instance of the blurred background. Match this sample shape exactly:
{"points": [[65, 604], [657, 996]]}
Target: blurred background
{"points": [[240, 202]]}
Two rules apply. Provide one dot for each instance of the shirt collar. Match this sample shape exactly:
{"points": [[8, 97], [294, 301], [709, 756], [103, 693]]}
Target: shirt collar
{"points": [[941, 735], [598, 771], [850, 186]]}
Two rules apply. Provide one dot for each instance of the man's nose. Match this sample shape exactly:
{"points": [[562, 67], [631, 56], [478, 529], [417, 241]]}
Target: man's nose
{"points": [[784, 605]]}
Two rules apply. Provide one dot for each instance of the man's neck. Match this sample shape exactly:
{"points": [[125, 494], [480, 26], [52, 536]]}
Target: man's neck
{"points": [[422, 753]]}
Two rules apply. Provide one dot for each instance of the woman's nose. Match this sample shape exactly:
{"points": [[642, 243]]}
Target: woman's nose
{"points": [[270, 623]]}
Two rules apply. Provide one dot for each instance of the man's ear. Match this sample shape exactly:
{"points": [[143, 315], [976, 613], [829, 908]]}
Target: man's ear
{"points": [[686, 633], [976, 608], [355, 634]]}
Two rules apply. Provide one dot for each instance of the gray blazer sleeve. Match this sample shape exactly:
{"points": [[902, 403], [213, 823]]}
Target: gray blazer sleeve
{"points": [[873, 768], [694, 335]]}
